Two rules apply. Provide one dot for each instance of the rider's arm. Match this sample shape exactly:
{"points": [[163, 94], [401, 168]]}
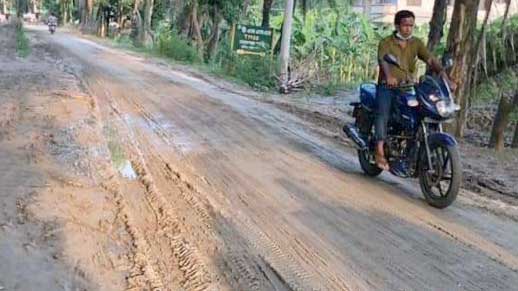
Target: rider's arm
{"points": [[387, 70], [435, 65], [424, 55]]}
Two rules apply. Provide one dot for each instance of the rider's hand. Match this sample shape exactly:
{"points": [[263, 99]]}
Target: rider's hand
{"points": [[453, 86], [391, 81]]}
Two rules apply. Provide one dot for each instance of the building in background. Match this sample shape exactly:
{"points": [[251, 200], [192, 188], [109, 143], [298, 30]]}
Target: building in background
{"points": [[383, 11]]}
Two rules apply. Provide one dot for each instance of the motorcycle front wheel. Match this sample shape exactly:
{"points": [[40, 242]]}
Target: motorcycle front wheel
{"points": [[440, 184]]}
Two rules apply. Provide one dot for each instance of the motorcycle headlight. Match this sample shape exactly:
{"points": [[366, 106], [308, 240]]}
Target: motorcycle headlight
{"points": [[443, 109], [433, 98], [412, 103]]}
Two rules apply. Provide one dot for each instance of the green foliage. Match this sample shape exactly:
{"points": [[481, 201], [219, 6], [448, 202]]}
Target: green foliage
{"points": [[159, 11], [500, 54], [124, 41], [175, 46], [341, 46], [229, 9], [255, 71], [22, 43], [52, 6], [490, 90]]}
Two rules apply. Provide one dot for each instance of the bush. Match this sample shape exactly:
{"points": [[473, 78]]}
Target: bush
{"points": [[256, 71], [124, 41], [174, 46]]}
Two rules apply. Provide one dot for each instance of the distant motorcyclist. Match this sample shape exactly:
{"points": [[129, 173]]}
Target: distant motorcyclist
{"points": [[52, 22], [406, 48]]}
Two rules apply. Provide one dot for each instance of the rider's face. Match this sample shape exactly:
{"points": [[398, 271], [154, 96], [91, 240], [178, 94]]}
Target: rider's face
{"points": [[406, 26]]}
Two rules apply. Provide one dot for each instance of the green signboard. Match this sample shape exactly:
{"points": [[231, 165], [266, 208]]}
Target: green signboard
{"points": [[253, 40]]}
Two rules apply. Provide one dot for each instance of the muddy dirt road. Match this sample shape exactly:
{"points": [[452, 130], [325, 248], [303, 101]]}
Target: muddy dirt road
{"points": [[210, 190]]}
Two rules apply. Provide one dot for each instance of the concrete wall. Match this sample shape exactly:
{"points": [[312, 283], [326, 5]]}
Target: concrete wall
{"points": [[384, 13]]}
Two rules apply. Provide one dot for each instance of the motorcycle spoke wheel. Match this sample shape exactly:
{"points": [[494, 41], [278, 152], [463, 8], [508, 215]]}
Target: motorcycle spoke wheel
{"points": [[439, 178]]}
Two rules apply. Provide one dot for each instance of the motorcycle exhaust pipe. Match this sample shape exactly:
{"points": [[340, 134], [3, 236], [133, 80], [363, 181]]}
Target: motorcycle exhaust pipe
{"points": [[352, 132]]}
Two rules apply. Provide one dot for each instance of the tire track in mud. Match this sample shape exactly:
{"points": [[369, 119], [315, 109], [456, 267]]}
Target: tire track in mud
{"points": [[195, 275], [249, 269], [282, 262], [277, 259], [254, 269], [142, 274]]}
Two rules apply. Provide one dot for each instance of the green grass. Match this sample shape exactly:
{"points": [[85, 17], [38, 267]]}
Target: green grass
{"points": [[116, 151], [490, 90], [23, 47]]}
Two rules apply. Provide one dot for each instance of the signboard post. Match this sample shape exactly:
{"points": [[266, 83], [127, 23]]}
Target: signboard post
{"points": [[252, 40]]}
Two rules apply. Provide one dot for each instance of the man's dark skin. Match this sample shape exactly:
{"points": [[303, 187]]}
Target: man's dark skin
{"points": [[405, 29]]}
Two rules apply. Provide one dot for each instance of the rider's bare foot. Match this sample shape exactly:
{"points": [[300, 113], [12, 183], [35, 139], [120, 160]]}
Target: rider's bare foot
{"points": [[382, 163]]}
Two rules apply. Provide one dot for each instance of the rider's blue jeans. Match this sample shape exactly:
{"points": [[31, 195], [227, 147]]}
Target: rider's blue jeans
{"points": [[385, 97]]}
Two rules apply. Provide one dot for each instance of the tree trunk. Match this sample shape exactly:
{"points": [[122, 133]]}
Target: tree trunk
{"points": [[82, 12], [89, 14], [267, 7], [244, 11], [476, 55], [64, 11], [304, 6], [145, 36], [19, 9], [120, 18], [503, 30], [437, 23], [101, 31], [514, 145], [214, 39], [460, 46], [197, 28], [505, 107], [285, 45]]}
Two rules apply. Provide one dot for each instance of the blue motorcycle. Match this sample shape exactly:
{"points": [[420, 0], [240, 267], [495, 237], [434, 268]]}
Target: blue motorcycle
{"points": [[416, 146]]}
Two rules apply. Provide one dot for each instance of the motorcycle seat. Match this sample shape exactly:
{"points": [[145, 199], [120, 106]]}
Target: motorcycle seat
{"points": [[368, 95]]}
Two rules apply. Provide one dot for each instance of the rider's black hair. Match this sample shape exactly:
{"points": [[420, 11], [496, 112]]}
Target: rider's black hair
{"points": [[403, 14]]}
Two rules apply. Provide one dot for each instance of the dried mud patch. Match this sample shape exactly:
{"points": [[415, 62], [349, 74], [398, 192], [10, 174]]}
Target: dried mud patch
{"points": [[60, 228]]}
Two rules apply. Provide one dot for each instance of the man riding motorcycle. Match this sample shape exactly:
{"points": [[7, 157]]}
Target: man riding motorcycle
{"points": [[52, 22], [406, 48]]}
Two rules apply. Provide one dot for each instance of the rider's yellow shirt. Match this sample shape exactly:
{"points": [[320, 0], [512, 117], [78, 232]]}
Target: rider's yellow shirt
{"points": [[406, 57]]}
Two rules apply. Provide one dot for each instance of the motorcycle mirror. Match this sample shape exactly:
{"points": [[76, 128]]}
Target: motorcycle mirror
{"points": [[391, 59], [447, 61]]}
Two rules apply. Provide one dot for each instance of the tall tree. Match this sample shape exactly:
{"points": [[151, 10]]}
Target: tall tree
{"points": [[146, 36], [437, 23], [505, 108], [460, 46], [267, 7], [215, 15], [514, 145], [503, 30], [475, 57], [285, 45]]}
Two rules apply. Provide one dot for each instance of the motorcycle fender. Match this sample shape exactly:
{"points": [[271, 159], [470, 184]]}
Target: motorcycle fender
{"points": [[441, 138]]}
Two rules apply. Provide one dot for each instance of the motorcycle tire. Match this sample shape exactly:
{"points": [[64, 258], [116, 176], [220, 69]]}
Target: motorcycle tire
{"points": [[426, 182]]}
